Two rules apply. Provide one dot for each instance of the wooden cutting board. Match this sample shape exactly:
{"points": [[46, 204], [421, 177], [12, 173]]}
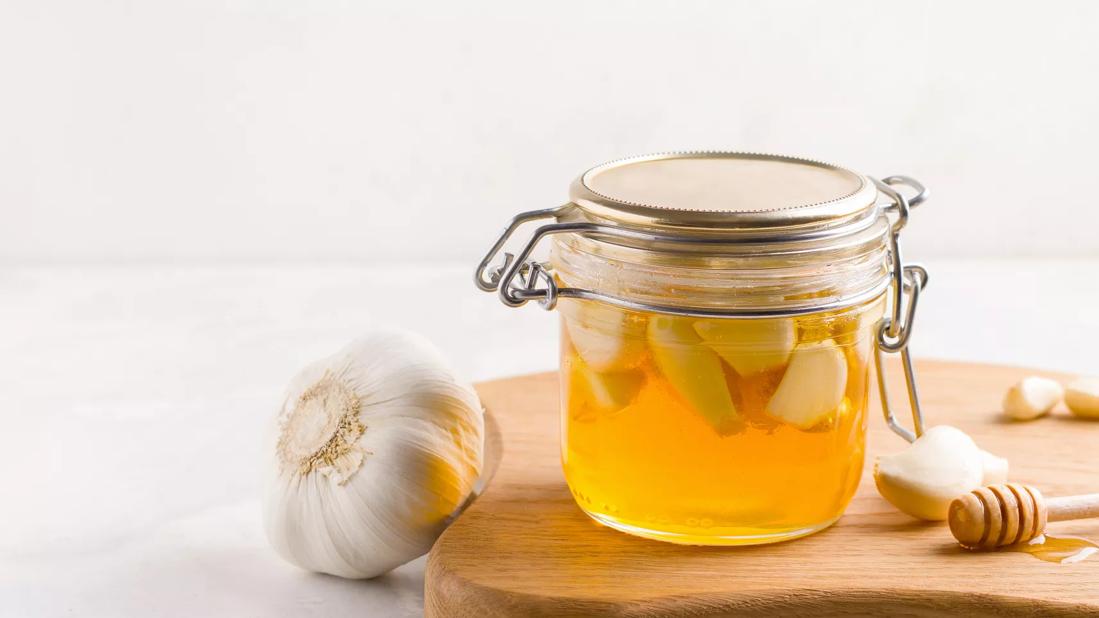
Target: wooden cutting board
{"points": [[523, 548]]}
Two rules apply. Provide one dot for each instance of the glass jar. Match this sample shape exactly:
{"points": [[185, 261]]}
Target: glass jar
{"points": [[718, 317]]}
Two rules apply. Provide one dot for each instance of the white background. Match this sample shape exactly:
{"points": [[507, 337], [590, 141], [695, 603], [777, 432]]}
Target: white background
{"points": [[198, 198], [409, 132]]}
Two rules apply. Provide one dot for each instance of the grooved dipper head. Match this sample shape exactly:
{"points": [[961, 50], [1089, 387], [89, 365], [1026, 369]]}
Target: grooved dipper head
{"points": [[997, 515]]}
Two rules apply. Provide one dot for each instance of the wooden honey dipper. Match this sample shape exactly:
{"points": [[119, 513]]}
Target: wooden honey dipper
{"points": [[998, 515]]}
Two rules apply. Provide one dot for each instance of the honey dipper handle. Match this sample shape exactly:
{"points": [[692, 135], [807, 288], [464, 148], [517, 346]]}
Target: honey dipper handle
{"points": [[1073, 507]]}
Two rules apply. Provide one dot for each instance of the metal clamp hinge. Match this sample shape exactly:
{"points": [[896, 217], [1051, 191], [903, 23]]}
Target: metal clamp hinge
{"points": [[895, 330]]}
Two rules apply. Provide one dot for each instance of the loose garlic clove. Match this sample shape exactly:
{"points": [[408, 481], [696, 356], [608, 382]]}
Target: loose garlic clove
{"points": [[993, 469], [1032, 397], [607, 338], [749, 346], [922, 480], [694, 371], [1082, 397], [813, 385]]}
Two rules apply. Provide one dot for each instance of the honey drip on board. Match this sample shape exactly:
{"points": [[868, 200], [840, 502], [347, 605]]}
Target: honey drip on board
{"points": [[1059, 549]]}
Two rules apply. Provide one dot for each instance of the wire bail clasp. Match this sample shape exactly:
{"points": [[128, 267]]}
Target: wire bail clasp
{"points": [[895, 330], [517, 280]]}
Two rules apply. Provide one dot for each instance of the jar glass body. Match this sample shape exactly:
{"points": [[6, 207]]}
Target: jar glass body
{"points": [[717, 430]]}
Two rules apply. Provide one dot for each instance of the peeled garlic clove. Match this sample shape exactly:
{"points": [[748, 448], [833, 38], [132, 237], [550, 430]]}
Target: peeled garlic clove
{"points": [[694, 371], [859, 350], [1032, 397], [610, 391], [993, 469], [860, 340], [813, 385], [922, 480], [1082, 397], [749, 346], [377, 447], [607, 338]]}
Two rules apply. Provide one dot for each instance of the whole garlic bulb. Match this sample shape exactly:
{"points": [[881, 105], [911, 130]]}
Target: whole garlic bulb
{"points": [[378, 446]]}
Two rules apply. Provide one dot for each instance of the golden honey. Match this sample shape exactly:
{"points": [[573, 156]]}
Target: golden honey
{"points": [[1058, 549], [673, 431]]}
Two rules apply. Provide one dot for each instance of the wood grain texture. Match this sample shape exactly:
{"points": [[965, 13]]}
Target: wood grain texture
{"points": [[525, 549]]}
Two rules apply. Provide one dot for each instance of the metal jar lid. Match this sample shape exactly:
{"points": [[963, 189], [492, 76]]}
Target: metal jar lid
{"points": [[723, 193]]}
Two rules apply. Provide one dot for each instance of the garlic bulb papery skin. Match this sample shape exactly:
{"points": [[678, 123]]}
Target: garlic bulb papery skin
{"points": [[377, 447]]}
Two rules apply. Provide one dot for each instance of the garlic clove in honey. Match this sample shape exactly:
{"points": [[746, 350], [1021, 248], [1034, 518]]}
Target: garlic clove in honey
{"points": [[1082, 397], [1032, 397], [694, 371], [993, 469], [858, 351], [923, 479], [749, 346], [377, 447], [611, 391], [607, 338], [813, 385]]}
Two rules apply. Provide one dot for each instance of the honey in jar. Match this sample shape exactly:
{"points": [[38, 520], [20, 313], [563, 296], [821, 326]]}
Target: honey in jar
{"points": [[719, 316]]}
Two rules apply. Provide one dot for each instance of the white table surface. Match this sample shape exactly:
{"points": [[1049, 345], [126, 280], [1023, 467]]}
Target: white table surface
{"points": [[133, 401]]}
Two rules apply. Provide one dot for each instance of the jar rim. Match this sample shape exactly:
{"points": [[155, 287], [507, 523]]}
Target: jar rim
{"points": [[788, 278]]}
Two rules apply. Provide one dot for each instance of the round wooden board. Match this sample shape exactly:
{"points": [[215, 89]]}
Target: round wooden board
{"points": [[523, 548]]}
